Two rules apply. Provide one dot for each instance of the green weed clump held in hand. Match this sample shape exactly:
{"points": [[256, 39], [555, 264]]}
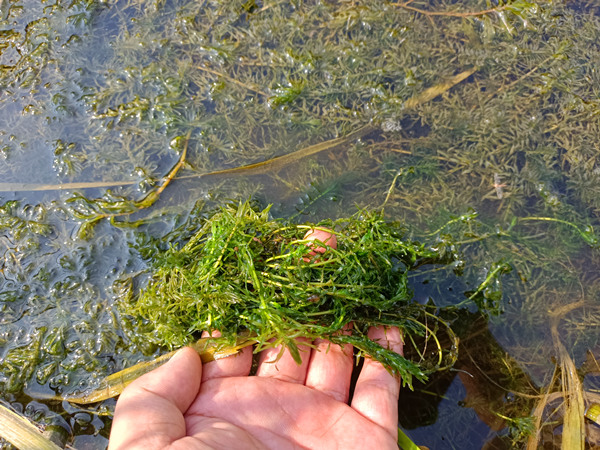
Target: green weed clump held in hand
{"points": [[244, 272]]}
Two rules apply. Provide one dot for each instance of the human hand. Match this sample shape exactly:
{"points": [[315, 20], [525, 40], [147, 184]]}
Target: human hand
{"points": [[186, 405]]}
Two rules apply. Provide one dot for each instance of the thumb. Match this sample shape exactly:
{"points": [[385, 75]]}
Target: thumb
{"points": [[149, 413]]}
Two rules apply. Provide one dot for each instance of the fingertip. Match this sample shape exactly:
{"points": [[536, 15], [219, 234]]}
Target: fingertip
{"points": [[326, 237], [238, 365], [377, 390], [330, 369], [280, 364], [388, 337]]}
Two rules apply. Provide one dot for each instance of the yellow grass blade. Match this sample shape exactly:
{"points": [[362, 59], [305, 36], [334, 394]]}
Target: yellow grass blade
{"points": [[114, 384], [21, 433], [572, 393], [250, 169], [281, 161], [538, 413], [438, 89], [573, 433], [31, 187]]}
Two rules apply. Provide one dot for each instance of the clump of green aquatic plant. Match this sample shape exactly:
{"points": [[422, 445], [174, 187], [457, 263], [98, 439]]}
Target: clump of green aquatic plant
{"points": [[243, 272]]}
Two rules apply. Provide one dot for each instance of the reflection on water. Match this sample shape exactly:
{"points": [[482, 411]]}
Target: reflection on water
{"points": [[95, 93]]}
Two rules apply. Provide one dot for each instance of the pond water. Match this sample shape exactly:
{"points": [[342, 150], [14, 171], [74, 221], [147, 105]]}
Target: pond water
{"points": [[100, 101]]}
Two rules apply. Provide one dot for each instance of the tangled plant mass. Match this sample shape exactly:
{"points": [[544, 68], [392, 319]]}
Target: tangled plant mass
{"points": [[244, 272]]}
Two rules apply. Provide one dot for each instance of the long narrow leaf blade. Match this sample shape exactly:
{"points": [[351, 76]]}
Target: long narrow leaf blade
{"points": [[114, 384], [21, 433]]}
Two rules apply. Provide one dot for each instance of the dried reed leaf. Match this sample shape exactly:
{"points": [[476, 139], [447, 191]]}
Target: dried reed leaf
{"points": [[114, 384], [262, 167], [21, 433], [573, 433], [31, 187], [285, 160], [438, 89], [538, 413]]}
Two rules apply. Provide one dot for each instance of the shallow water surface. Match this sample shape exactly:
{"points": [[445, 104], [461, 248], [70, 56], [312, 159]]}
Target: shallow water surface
{"points": [[100, 101]]}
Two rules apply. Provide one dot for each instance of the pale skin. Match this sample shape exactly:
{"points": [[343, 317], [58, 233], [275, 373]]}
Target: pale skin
{"points": [[187, 405]]}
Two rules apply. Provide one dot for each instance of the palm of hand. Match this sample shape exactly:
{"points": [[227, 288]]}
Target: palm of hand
{"points": [[276, 414], [185, 405]]}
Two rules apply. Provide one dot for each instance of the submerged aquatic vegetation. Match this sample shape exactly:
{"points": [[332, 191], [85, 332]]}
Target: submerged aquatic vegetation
{"points": [[100, 95], [242, 271]]}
